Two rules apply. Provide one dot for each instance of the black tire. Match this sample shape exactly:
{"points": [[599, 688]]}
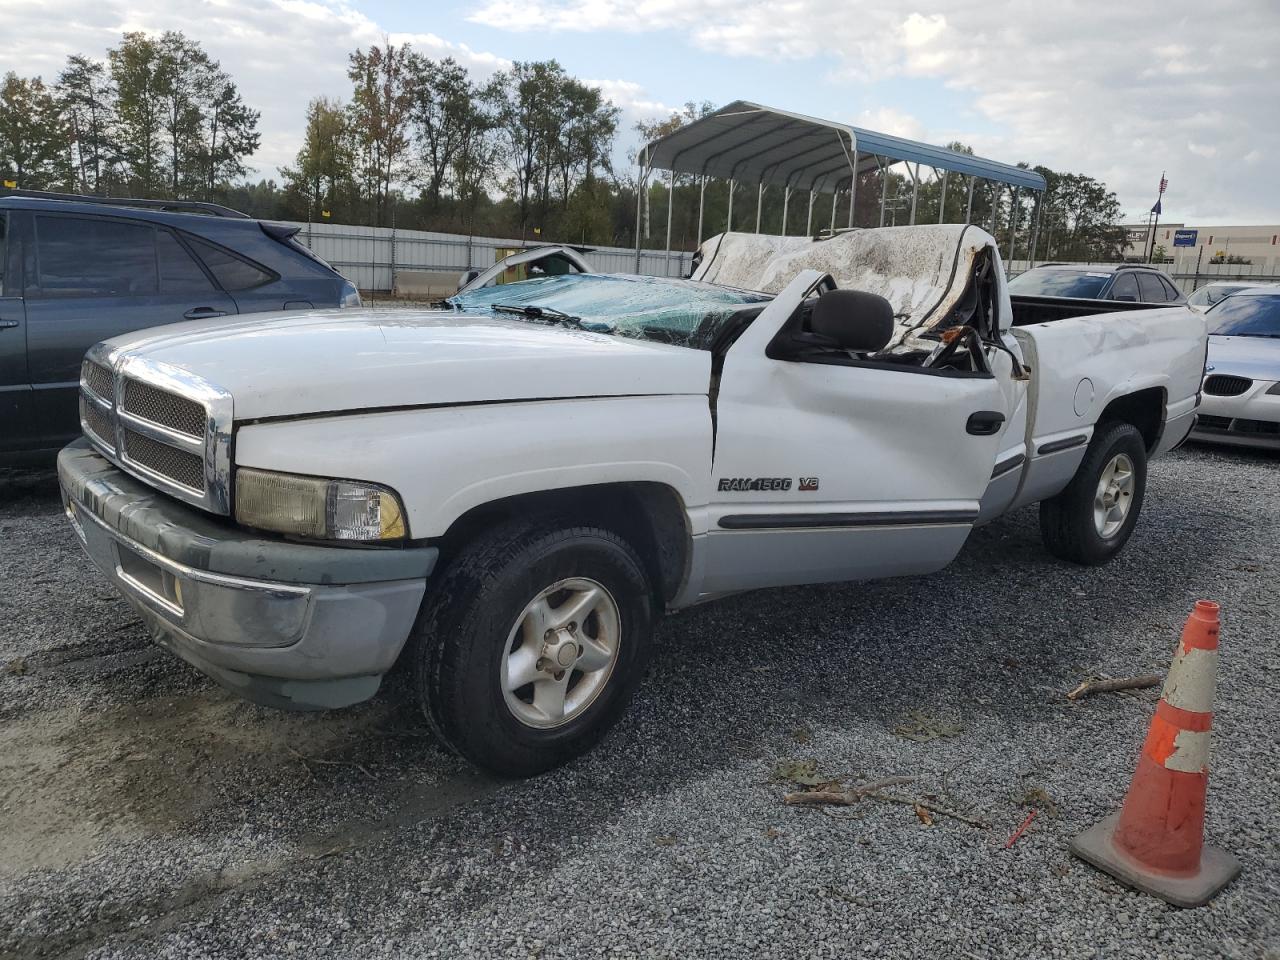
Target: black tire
{"points": [[470, 611], [1067, 522]]}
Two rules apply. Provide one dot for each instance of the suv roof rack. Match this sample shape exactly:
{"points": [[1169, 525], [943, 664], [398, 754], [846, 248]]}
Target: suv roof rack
{"points": [[172, 206], [1135, 266]]}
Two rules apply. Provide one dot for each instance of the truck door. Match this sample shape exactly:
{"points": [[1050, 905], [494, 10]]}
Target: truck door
{"points": [[92, 278], [827, 472], [15, 385]]}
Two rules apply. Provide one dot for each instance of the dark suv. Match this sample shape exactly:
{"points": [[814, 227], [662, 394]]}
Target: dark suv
{"points": [[1125, 282], [76, 270]]}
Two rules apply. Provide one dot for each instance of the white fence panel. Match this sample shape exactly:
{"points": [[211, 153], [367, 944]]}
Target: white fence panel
{"points": [[370, 256]]}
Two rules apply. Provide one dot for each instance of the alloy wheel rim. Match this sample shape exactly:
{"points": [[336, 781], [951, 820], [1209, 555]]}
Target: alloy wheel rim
{"points": [[1113, 499], [560, 653]]}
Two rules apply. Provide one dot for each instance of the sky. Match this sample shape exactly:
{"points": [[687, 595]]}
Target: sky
{"points": [[1119, 91]]}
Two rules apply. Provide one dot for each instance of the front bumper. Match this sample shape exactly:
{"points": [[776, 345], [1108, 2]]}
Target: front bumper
{"points": [[290, 625], [1251, 419]]}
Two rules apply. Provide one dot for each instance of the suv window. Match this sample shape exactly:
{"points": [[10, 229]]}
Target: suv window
{"points": [[1171, 292], [1124, 288], [4, 250], [179, 272], [231, 271], [1153, 290], [87, 257]]}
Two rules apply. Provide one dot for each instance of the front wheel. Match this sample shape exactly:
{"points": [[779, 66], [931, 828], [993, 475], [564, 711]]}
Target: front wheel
{"points": [[1091, 520], [531, 644]]}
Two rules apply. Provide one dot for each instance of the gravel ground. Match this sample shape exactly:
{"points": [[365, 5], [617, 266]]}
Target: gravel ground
{"points": [[145, 812]]}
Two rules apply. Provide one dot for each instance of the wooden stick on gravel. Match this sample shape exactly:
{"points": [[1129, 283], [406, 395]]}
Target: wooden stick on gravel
{"points": [[841, 798], [1115, 683], [932, 808]]}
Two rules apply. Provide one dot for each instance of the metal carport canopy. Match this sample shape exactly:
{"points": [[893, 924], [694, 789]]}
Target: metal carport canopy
{"points": [[750, 143]]}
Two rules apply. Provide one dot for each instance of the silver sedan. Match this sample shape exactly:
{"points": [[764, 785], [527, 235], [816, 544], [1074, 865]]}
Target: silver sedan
{"points": [[1241, 401]]}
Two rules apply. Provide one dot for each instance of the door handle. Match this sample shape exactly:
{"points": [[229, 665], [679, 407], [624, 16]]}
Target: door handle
{"points": [[8, 324], [203, 313], [984, 423]]}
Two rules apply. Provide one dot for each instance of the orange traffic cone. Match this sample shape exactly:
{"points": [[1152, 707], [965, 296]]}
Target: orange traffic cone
{"points": [[1156, 842]]}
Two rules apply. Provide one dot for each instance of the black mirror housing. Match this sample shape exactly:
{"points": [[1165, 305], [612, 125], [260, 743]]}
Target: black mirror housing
{"points": [[854, 319]]}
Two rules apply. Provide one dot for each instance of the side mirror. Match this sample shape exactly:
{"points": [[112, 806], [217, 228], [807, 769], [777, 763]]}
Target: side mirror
{"points": [[466, 278], [857, 321]]}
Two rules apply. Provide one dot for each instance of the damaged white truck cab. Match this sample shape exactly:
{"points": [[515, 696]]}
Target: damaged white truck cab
{"points": [[509, 491]]}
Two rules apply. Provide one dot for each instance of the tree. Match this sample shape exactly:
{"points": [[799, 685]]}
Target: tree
{"points": [[476, 160], [443, 100], [325, 160], [183, 71], [88, 104], [380, 107], [1078, 219], [136, 71], [531, 120], [586, 135], [229, 132], [33, 138]]}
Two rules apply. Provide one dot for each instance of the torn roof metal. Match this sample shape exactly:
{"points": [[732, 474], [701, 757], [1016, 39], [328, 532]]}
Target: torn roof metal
{"points": [[751, 143]]}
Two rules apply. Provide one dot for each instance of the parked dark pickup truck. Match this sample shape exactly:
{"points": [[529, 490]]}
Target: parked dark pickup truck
{"points": [[77, 270]]}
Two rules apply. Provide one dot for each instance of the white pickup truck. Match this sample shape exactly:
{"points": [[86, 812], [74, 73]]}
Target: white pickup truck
{"points": [[510, 490]]}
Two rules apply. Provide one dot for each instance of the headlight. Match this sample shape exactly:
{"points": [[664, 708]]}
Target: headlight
{"points": [[316, 507], [350, 296]]}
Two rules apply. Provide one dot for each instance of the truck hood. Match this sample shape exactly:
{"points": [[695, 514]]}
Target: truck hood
{"points": [[1255, 357], [333, 361]]}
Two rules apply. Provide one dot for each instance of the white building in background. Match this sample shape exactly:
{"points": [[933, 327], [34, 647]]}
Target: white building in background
{"points": [[1189, 244]]}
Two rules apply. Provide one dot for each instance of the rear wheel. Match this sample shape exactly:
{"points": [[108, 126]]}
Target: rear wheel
{"points": [[531, 644], [1092, 519]]}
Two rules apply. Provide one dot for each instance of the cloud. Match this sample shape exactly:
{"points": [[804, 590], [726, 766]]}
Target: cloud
{"points": [[892, 121], [1114, 96], [280, 52], [1155, 84]]}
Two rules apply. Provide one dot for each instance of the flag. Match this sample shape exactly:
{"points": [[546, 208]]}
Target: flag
{"points": [[1156, 209]]}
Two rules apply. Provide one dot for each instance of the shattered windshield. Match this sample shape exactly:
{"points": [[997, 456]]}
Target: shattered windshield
{"points": [[680, 312]]}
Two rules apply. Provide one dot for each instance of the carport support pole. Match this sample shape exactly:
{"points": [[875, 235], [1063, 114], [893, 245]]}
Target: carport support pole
{"points": [[728, 217], [942, 202], [786, 200], [640, 182], [759, 203], [853, 184], [968, 208], [915, 190], [1013, 225], [808, 223], [884, 187], [995, 211], [702, 199], [1035, 230], [835, 193], [671, 203]]}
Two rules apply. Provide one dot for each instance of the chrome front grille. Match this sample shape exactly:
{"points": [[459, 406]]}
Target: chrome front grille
{"points": [[96, 423], [158, 457], [98, 379], [166, 409], [166, 426]]}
